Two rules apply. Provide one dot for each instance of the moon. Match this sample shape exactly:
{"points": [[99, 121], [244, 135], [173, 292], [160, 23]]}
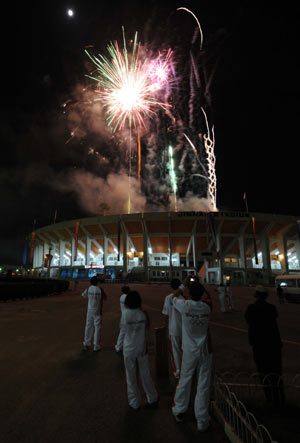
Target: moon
{"points": [[70, 12]]}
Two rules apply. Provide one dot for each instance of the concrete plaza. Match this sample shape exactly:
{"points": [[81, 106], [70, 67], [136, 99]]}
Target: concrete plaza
{"points": [[52, 391]]}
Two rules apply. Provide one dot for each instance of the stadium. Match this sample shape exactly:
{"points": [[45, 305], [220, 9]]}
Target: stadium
{"points": [[220, 246]]}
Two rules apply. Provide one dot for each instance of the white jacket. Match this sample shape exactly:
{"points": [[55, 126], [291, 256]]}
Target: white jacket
{"points": [[195, 318], [134, 323], [93, 293]]}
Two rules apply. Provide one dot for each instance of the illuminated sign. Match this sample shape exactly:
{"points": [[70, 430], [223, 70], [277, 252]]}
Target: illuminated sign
{"points": [[214, 214]]}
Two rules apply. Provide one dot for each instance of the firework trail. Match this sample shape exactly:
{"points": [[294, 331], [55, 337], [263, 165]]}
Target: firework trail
{"points": [[198, 23], [199, 84], [173, 176], [197, 156], [209, 144]]}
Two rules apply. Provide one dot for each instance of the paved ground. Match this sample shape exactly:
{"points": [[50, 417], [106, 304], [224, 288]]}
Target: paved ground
{"points": [[52, 391]]}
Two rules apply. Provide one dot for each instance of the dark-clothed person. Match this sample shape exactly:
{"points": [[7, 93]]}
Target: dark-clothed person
{"points": [[264, 337], [280, 294]]}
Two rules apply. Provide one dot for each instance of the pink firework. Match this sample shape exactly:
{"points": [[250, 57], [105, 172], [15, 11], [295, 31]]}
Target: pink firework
{"points": [[159, 70]]}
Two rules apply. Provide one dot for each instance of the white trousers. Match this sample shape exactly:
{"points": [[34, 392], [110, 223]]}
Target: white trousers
{"points": [[190, 364], [119, 344], [133, 392], [175, 350], [230, 301], [93, 324], [222, 302]]}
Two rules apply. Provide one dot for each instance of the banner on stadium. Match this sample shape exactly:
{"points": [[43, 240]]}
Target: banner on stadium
{"points": [[298, 229], [119, 237], [212, 225], [76, 240], [170, 242], [254, 240]]}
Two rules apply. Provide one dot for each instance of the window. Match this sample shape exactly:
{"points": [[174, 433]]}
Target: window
{"points": [[164, 258], [156, 258], [291, 283]]}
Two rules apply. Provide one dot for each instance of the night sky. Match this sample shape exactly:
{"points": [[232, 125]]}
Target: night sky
{"points": [[255, 102]]}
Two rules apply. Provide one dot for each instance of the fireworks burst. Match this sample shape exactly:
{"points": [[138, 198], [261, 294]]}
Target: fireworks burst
{"points": [[128, 84], [173, 177], [139, 92]]}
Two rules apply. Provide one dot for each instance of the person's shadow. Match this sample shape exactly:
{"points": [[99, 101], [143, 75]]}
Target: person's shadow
{"points": [[84, 361]]}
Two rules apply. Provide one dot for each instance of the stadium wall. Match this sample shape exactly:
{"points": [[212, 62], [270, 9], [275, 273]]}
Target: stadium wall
{"points": [[240, 247]]}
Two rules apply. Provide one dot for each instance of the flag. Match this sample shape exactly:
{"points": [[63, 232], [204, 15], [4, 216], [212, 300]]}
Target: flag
{"points": [[254, 240], [119, 237], [76, 240], [31, 248]]}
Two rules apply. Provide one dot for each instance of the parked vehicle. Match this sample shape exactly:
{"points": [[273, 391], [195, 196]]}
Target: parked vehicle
{"points": [[288, 287]]}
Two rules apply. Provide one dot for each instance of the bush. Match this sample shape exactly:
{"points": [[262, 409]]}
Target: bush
{"points": [[29, 288]]}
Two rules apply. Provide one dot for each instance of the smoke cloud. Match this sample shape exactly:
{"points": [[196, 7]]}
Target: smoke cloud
{"points": [[91, 191]]}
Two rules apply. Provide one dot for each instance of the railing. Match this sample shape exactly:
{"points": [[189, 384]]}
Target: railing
{"points": [[239, 424], [251, 389]]}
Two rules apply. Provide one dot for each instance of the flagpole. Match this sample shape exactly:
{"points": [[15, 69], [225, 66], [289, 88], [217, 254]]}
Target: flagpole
{"points": [[55, 215], [246, 202]]}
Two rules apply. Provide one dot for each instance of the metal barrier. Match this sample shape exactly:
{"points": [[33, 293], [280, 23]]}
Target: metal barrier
{"points": [[239, 424], [251, 388]]}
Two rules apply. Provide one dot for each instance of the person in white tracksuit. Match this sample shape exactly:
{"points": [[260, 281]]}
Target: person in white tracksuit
{"points": [[175, 327], [197, 356], [119, 345], [135, 352], [228, 295], [221, 294], [93, 315]]}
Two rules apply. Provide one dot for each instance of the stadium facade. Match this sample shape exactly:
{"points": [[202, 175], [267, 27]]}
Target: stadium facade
{"points": [[237, 246]]}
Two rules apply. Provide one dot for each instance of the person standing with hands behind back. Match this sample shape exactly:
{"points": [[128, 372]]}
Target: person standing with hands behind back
{"points": [[264, 337], [93, 316], [119, 345], [135, 323]]}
